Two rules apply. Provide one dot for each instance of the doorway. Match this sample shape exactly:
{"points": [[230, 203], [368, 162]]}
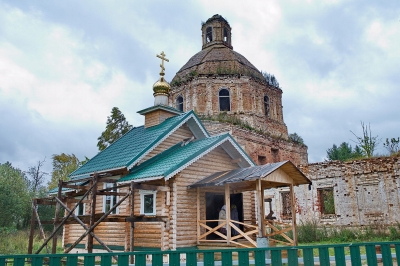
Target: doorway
{"points": [[214, 203]]}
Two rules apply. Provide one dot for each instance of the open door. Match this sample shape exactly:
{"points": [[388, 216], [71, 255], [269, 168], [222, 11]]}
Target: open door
{"points": [[214, 203]]}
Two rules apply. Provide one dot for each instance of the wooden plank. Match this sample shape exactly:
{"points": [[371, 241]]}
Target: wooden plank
{"points": [[259, 198], [54, 244], [294, 223], [32, 229], [198, 215], [92, 212], [228, 212]]}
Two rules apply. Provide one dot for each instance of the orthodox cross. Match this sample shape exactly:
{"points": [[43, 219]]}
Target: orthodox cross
{"points": [[162, 57]]}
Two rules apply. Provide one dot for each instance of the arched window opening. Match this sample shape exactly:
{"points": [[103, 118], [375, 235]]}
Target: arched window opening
{"points": [[266, 105], [225, 35], [208, 35], [179, 103], [224, 100]]}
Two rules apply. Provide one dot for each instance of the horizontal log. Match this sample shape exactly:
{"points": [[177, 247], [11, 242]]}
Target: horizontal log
{"points": [[145, 219], [76, 187], [151, 187], [107, 193]]}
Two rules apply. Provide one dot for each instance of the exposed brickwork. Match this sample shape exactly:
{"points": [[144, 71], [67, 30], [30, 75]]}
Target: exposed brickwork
{"points": [[246, 96], [261, 147], [365, 192]]}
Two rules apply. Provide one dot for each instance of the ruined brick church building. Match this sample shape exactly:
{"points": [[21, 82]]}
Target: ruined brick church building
{"points": [[231, 95]]}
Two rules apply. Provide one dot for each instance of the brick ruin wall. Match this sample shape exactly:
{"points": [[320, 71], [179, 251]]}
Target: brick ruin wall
{"points": [[365, 192], [261, 148]]}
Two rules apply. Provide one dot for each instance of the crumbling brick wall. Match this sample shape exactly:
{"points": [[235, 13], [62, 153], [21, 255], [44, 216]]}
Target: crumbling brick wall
{"points": [[365, 192]]}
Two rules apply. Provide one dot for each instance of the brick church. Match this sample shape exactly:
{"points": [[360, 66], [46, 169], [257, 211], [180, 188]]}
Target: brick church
{"points": [[230, 94]]}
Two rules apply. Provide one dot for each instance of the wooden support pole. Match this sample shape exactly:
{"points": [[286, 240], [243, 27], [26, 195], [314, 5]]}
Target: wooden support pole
{"points": [[228, 212], [63, 221], [263, 227], [198, 215], [40, 227], [294, 223], [97, 223], [260, 219], [54, 245], [92, 212], [32, 231], [132, 224]]}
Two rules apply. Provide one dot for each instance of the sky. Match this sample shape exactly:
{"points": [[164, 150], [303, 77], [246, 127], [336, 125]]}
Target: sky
{"points": [[65, 64]]}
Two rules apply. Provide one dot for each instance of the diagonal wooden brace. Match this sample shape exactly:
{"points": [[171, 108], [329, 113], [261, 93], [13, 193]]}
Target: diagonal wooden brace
{"points": [[64, 219], [84, 225], [97, 223]]}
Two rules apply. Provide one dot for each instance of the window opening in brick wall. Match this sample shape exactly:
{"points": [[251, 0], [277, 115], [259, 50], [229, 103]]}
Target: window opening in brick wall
{"points": [[326, 199], [179, 103], [275, 155], [224, 100], [286, 205], [262, 160], [266, 105], [208, 35], [225, 35]]}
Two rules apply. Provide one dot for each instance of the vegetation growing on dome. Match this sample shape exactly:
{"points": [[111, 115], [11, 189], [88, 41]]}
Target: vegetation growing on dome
{"points": [[270, 78]]}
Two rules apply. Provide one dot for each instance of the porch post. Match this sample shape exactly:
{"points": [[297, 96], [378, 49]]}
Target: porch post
{"points": [[263, 227], [259, 204], [198, 215], [294, 224], [228, 212]]}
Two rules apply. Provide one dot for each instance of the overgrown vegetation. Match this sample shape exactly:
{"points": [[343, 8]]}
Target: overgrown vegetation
{"points": [[365, 148], [15, 241], [310, 232]]}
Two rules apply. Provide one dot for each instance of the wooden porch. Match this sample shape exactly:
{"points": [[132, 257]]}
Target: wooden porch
{"points": [[249, 234]]}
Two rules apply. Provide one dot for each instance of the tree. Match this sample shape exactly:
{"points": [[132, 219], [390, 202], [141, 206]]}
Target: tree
{"points": [[116, 127], [63, 165], [14, 196], [294, 137], [366, 142], [393, 146], [343, 152], [36, 178]]}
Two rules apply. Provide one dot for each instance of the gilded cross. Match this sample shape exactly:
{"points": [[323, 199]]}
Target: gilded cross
{"points": [[162, 57]]}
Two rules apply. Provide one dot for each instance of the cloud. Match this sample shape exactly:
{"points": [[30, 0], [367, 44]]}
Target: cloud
{"points": [[65, 65]]}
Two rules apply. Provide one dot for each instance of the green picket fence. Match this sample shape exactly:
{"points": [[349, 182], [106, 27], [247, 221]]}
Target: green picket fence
{"points": [[384, 253]]}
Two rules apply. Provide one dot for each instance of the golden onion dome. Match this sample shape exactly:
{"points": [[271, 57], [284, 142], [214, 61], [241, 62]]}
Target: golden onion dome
{"points": [[161, 87]]}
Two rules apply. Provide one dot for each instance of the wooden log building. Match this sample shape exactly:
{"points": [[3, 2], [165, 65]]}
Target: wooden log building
{"points": [[162, 185]]}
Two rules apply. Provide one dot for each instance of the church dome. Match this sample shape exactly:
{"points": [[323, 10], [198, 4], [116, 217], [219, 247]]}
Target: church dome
{"points": [[161, 87], [217, 56]]}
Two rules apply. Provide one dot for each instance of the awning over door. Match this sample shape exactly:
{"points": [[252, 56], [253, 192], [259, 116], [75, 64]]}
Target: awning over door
{"points": [[279, 174]]}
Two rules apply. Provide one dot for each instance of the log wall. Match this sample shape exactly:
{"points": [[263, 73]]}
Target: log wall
{"points": [[184, 208]]}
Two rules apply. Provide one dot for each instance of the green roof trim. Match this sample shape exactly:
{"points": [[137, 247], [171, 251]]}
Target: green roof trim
{"points": [[175, 159], [135, 144], [162, 107]]}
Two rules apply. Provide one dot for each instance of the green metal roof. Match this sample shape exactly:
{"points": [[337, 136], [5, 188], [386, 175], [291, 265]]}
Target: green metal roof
{"points": [[178, 157], [135, 144]]}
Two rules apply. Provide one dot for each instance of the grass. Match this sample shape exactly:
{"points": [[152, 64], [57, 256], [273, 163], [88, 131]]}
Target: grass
{"points": [[14, 241], [310, 233]]}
